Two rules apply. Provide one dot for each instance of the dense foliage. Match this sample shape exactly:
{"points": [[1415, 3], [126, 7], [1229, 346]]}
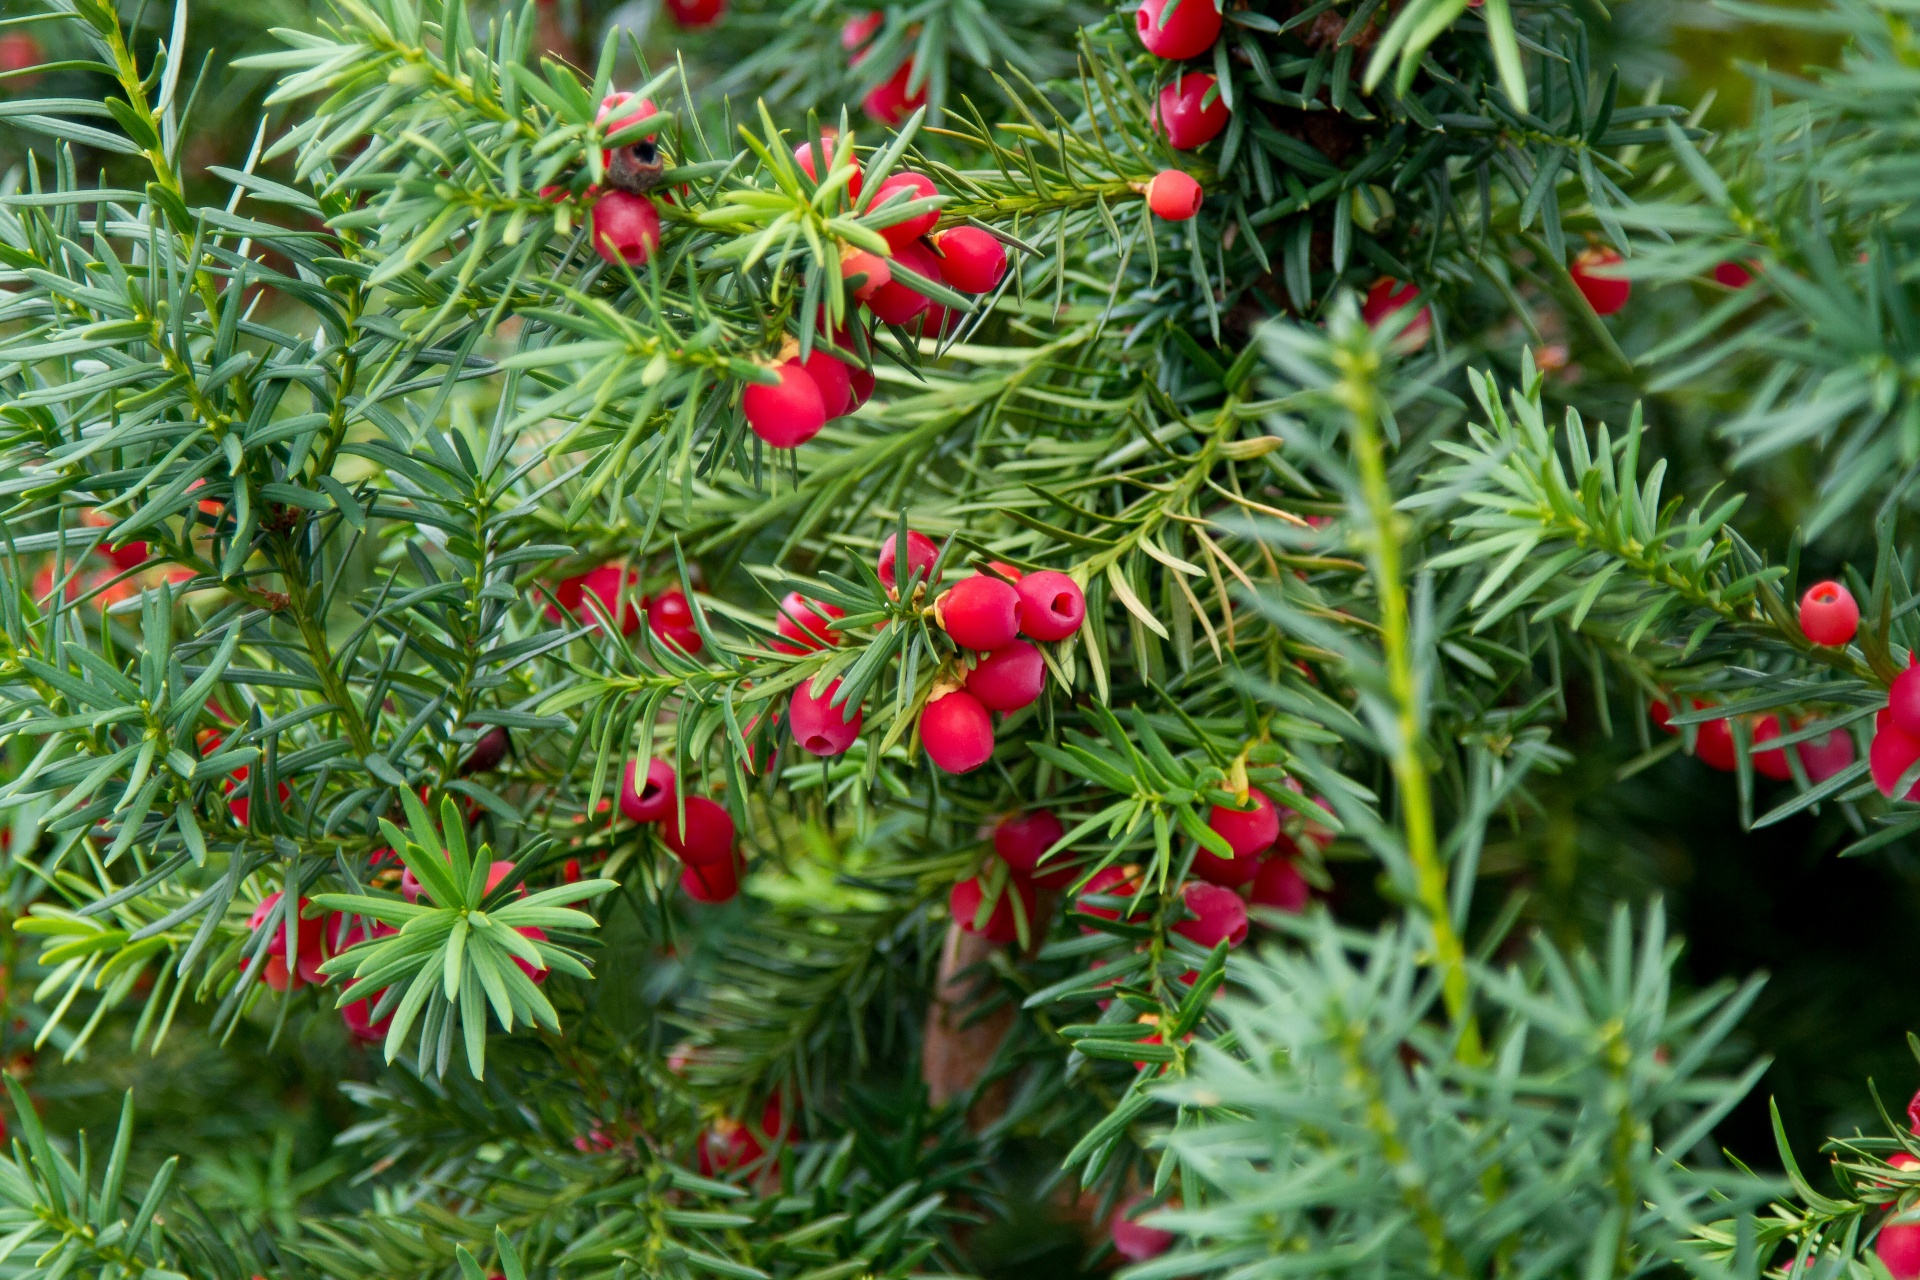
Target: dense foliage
{"points": [[976, 637]]}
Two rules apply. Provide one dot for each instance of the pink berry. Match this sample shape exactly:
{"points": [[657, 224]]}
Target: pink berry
{"points": [[1607, 293], [697, 13], [712, 882], [966, 897], [889, 102], [1187, 32], [1825, 757], [1022, 838], [705, 838], [652, 799], [1828, 614], [1052, 605], [1898, 1246], [1174, 195], [1892, 752], [899, 189], [1387, 296], [1248, 832], [1009, 678], [921, 554], [623, 228], [971, 260], [1134, 1241], [789, 413], [1770, 763], [805, 623], [1185, 117], [895, 302], [670, 618], [803, 156], [1913, 1116], [957, 732], [1218, 915], [1279, 885], [981, 612], [819, 726], [832, 380]]}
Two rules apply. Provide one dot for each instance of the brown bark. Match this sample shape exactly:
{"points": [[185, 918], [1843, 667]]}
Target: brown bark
{"points": [[959, 1047]]}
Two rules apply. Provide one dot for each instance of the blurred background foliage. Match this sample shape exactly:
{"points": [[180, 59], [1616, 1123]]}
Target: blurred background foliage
{"points": [[1831, 932]]}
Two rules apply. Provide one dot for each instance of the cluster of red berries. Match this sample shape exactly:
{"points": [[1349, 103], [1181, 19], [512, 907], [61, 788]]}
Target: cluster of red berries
{"points": [[1177, 30], [1020, 840], [624, 227], [703, 839], [667, 615]]}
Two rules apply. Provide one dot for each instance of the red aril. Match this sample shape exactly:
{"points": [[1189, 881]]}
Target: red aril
{"points": [[1052, 605], [899, 189], [712, 882], [957, 732], [697, 13], [1174, 195], [1384, 298], [1903, 699], [805, 623], [819, 726], [1733, 275], [1187, 32], [1022, 839], [1713, 744], [1108, 882], [896, 303], [623, 228], [1279, 884], [1593, 274], [968, 896], [1135, 1241], [1824, 757], [1249, 832], [789, 413], [1185, 116], [860, 28], [921, 555], [971, 260], [652, 799], [1009, 678], [889, 102], [704, 838], [832, 380], [1892, 752], [1217, 915], [1828, 614], [1770, 763], [869, 272], [829, 139], [981, 612], [670, 618]]}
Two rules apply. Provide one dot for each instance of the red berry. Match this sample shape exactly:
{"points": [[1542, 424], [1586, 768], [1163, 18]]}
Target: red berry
{"points": [[1174, 195], [1231, 872], [831, 380], [570, 873], [705, 838], [310, 949], [623, 227], [488, 750], [819, 726], [896, 303], [803, 156], [1892, 753], [1052, 606], [1713, 744], [957, 732], [1280, 885], [899, 189], [1009, 678], [921, 554], [697, 13], [1021, 838], [1185, 116], [1218, 915], [1187, 32], [1108, 882], [971, 260], [1898, 1246], [981, 612], [1824, 757], [712, 882], [1005, 570], [621, 111], [1828, 614], [804, 622], [1732, 274], [1387, 296], [1661, 714], [860, 28], [725, 1146], [1913, 1116], [1771, 763], [1248, 832], [873, 271], [964, 904], [788, 414], [1606, 294], [862, 380], [889, 102], [604, 583], [670, 618], [652, 799], [18, 51], [360, 1024], [1903, 700], [1134, 1241]]}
